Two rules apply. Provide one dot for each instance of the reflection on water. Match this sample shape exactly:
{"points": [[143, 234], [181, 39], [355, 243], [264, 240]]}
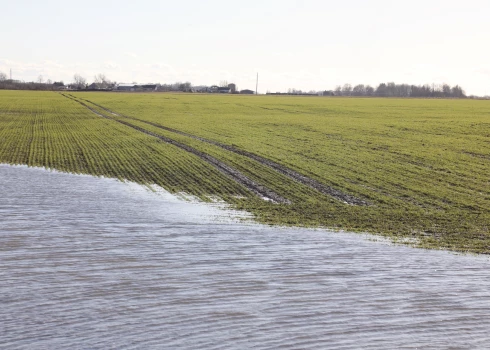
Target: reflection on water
{"points": [[94, 263]]}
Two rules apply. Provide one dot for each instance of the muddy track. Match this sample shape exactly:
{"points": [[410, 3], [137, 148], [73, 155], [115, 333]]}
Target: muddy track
{"points": [[292, 174], [230, 172]]}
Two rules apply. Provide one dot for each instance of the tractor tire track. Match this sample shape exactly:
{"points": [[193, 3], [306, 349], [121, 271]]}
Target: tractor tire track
{"points": [[227, 170], [292, 174]]}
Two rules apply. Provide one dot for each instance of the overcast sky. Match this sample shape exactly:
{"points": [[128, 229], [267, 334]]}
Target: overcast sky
{"points": [[308, 45]]}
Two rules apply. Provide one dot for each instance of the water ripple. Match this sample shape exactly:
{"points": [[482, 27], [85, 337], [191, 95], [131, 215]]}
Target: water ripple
{"points": [[94, 263]]}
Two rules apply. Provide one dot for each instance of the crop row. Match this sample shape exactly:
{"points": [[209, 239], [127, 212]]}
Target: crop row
{"points": [[54, 132], [356, 153], [295, 176]]}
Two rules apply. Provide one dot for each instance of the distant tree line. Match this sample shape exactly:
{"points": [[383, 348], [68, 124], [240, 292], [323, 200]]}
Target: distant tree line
{"points": [[401, 90], [40, 84], [294, 91], [101, 82]]}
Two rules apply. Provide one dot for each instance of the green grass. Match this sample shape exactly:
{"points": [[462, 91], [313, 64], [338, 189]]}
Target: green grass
{"points": [[423, 165]]}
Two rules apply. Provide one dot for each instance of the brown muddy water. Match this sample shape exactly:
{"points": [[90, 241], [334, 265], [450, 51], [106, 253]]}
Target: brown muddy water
{"points": [[93, 263]]}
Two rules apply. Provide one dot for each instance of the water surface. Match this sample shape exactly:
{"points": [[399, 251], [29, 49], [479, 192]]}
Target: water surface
{"points": [[93, 263]]}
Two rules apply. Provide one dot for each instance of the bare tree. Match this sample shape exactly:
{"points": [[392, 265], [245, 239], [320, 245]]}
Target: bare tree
{"points": [[223, 83], [457, 91], [346, 90], [338, 90], [79, 82], [3, 76], [446, 90], [391, 89], [381, 90], [359, 90], [49, 82], [40, 79], [101, 81]]}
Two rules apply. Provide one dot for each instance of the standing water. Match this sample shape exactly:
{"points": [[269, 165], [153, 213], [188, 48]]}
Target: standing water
{"points": [[93, 263]]}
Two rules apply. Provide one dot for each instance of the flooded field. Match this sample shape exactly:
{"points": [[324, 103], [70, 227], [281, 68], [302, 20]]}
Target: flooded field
{"points": [[93, 263]]}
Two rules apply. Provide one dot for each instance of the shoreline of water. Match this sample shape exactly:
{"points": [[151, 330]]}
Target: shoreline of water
{"points": [[226, 212]]}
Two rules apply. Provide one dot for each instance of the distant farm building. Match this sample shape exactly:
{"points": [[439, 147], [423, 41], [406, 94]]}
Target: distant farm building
{"points": [[125, 87], [135, 87], [247, 92], [147, 87], [224, 90], [101, 86]]}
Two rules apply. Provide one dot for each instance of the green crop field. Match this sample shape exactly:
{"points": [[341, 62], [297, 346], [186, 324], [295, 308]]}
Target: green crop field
{"points": [[406, 168]]}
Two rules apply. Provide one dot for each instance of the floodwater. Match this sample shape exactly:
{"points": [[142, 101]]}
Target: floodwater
{"points": [[93, 263]]}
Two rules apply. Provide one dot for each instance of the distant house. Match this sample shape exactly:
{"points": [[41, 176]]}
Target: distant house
{"points": [[101, 86], [230, 89], [125, 87], [247, 92], [148, 87], [135, 87], [59, 85], [224, 90]]}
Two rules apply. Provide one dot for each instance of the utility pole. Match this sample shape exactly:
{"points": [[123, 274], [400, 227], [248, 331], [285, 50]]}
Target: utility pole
{"points": [[257, 84]]}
